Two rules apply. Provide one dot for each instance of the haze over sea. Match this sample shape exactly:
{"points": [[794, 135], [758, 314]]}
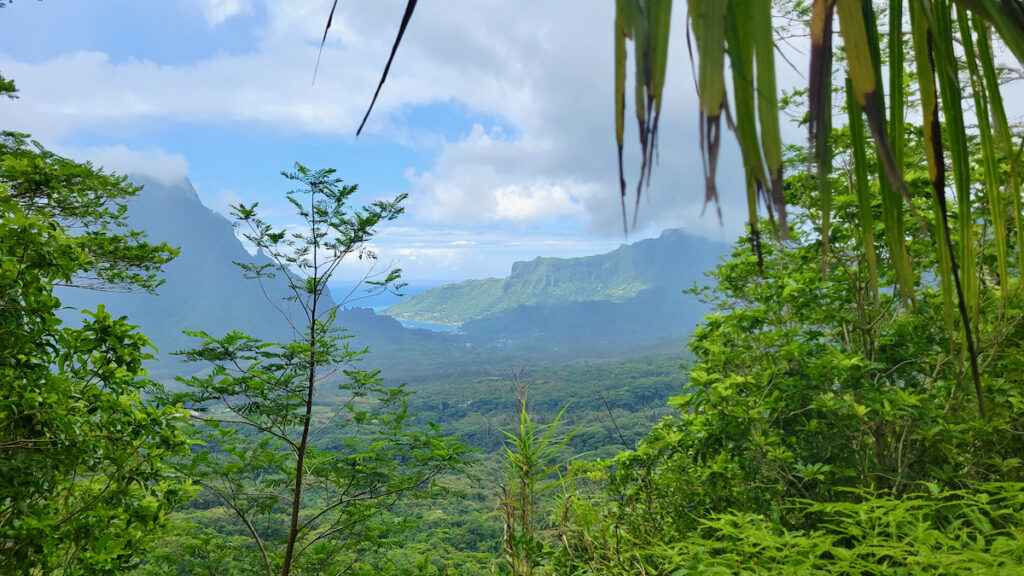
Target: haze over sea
{"points": [[380, 302]]}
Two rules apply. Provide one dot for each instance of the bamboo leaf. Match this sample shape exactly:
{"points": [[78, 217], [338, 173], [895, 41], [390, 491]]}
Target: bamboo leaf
{"points": [[988, 152], [622, 31], [820, 112], [946, 66], [659, 17], [892, 206], [1005, 140], [860, 42], [897, 98], [741, 56], [896, 133], [965, 282], [647, 24], [708, 19], [409, 7], [861, 189], [642, 62], [1006, 16], [755, 231], [760, 17], [934, 156], [323, 41]]}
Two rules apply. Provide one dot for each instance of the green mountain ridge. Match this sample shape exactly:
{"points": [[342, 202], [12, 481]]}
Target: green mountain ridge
{"points": [[669, 263]]}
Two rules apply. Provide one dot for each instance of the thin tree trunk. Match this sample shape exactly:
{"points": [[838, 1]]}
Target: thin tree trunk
{"points": [[297, 496], [293, 528]]}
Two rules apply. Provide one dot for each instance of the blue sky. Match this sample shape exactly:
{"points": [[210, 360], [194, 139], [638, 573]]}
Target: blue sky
{"points": [[497, 118]]}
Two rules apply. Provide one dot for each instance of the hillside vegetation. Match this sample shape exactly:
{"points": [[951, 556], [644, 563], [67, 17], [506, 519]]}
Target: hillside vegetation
{"points": [[671, 262]]}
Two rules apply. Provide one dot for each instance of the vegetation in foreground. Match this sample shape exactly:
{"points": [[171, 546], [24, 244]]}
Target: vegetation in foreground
{"points": [[827, 429], [829, 425]]}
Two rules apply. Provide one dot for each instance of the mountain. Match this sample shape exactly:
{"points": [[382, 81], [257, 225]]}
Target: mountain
{"points": [[204, 290], [546, 310], [630, 295]]}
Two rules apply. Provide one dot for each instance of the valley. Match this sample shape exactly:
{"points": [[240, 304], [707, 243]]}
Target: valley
{"points": [[600, 338]]}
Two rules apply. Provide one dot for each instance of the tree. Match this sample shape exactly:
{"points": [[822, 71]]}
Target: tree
{"points": [[742, 30], [825, 426], [84, 475], [304, 471]]}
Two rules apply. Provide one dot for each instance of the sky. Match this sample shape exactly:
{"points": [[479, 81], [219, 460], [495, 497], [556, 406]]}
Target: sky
{"points": [[497, 118]]}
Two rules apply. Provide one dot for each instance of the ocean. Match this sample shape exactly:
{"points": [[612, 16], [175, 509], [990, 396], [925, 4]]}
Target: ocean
{"points": [[380, 302]]}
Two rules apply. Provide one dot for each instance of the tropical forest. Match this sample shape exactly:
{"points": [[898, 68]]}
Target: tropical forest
{"points": [[618, 288]]}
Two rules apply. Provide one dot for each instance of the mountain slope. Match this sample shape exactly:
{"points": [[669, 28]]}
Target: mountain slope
{"points": [[643, 278], [205, 291]]}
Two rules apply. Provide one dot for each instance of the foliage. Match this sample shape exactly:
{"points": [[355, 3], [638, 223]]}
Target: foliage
{"points": [[7, 87], [91, 206], [743, 31], [826, 428], [976, 531], [532, 468], [84, 475], [309, 481]]}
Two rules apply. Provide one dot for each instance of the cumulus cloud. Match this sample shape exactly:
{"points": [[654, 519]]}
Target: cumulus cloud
{"points": [[151, 163], [439, 253], [542, 71]]}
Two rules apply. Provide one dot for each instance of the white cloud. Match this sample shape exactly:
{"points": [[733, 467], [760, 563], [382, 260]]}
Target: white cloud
{"points": [[153, 163], [541, 70], [436, 253], [223, 200], [217, 11], [534, 202]]}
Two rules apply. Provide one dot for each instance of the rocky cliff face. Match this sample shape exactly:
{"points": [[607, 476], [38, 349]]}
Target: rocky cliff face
{"points": [[203, 289], [629, 275]]}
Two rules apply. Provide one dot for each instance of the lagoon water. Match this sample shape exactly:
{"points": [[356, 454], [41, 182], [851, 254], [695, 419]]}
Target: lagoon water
{"points": [[433, 326], [380, 302]]}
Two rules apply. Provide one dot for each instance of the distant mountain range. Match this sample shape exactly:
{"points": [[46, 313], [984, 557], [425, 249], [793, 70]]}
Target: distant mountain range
{"points": [[546, 310], [630, 295]]}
